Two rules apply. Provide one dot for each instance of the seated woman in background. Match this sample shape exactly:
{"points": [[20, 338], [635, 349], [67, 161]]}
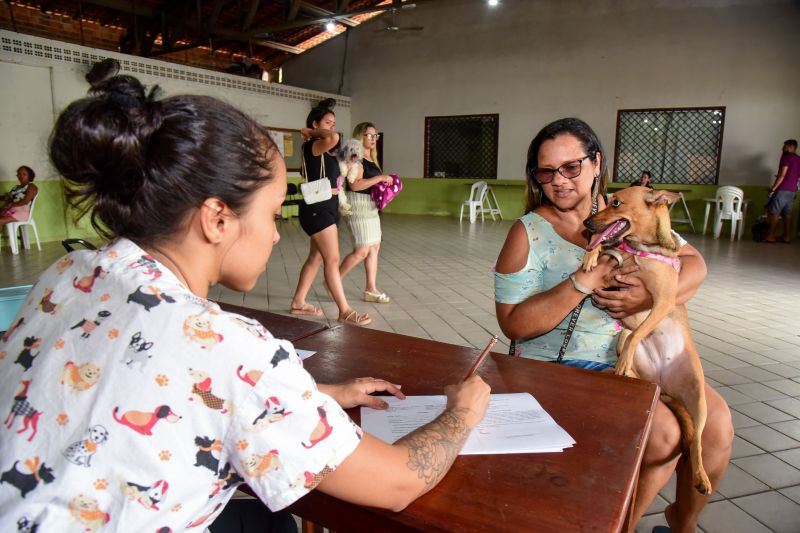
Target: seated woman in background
{"points": [[537, 288], [139, 403], [365, 221], [17, 202], [644, 180]]}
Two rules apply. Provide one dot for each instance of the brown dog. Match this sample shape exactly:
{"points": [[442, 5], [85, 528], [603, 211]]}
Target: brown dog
{"points": [[655, 345]]}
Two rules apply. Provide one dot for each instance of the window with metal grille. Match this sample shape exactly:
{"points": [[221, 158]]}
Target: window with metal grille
{"points": [[679, 146], [463, 146]]}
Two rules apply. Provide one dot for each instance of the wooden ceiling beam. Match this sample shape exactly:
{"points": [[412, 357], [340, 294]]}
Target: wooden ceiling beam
{"points": [[319, 12], [132, 8], [293, 9], [251, 14]]}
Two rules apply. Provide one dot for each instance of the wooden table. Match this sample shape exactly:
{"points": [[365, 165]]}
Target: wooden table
{"points": [[281, 326], [588, 487]]}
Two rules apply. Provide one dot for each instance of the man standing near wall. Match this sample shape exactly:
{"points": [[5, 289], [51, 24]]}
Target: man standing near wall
{"points": [[783, 191]]}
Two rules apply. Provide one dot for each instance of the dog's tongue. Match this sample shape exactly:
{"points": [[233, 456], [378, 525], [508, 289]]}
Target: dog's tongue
{"points": [[600, 238]]}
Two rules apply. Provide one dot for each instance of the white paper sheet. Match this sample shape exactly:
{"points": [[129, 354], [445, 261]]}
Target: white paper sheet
{"points": [[514, 423], [304, 354]]}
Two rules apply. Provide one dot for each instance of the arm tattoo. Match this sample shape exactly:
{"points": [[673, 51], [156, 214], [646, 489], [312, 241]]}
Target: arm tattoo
{"points": [[433, 447]]}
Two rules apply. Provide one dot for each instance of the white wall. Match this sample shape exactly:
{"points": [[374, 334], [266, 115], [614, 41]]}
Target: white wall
{"points": [[35, 88], [533, 61]]}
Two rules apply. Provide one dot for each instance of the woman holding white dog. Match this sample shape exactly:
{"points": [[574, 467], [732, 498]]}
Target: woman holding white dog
{"points": [[365, 222], [319, 219], [539, 283]]}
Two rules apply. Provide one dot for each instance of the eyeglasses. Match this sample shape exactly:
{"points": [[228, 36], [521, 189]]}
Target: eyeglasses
{"points": [[372, 136], [570, 170]]}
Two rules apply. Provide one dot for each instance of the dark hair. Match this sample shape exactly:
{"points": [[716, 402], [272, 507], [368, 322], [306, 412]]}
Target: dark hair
{"points": [[31, 173], [319, 111], [792, 143], [140, 165], [649, 175], [534, 195]]}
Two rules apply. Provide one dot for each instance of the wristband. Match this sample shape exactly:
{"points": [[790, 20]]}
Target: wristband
{"points": [[580, 287]]}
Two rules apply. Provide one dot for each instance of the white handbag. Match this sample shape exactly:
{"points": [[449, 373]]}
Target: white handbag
{"points": [[318, 190]]}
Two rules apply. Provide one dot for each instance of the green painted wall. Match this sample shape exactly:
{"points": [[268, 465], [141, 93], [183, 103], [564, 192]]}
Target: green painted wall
{"points": [[420, 196], [444, 197]]}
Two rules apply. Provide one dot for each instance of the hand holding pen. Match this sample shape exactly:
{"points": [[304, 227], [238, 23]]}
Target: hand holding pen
{"points": [[481, 357]]}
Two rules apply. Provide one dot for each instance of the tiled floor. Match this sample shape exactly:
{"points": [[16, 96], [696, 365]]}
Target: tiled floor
{"points": [[745, 318]]}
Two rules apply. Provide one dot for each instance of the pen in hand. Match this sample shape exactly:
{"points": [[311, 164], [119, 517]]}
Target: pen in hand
{"points": [[481, 357]]}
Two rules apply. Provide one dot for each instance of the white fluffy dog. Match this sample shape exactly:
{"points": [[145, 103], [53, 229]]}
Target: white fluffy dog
{"points": [[349, 156]]}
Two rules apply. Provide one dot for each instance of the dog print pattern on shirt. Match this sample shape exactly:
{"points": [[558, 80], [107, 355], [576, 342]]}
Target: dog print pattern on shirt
{"points": [[132, 404]]}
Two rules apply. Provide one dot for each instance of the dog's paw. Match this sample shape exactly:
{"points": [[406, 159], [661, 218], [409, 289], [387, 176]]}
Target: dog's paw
{"points": [[702, 483], [590, 260], [589, 263], [623, 368]]}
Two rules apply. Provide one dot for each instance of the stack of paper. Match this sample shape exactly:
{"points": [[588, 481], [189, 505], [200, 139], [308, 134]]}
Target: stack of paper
{"points": [[514, 423]]}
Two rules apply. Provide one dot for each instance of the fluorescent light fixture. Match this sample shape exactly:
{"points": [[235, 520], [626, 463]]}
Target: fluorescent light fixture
{"points": [[330, 26], [493, 2]]}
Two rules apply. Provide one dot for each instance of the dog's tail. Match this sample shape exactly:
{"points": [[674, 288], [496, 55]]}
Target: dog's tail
{"points": [[684, 421]]}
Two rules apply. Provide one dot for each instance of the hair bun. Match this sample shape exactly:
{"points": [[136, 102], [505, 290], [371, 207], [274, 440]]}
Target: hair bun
{"points": [[102, 71], [328, 103]]}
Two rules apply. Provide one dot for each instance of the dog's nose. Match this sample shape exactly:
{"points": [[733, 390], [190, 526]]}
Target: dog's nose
{"points": [[588, 223]]}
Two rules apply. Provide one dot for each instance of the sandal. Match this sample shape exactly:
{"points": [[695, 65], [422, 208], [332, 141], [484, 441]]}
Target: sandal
{"points": [[306, 309], [354, 318], [379, 297]]}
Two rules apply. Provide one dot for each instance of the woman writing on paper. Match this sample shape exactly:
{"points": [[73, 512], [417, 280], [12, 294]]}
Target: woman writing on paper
{"points": [[147, 414], [537, 287], [365, 222], [319, 219]]}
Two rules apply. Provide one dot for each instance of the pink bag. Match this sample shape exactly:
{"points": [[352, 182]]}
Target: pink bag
{"points": [[382, 193]]}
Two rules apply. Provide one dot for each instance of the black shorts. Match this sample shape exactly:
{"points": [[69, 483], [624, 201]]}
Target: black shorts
{"points": [[316, 217]]}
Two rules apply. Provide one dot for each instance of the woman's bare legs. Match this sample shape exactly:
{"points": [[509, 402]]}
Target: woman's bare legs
{"points": [[327, 245], [717, 445], [662, 458], [368, 254], [371, 268], [353, 258], [307, 274]]}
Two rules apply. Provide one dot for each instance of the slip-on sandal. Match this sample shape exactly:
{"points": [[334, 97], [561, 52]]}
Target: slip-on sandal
{"points": [[307, 309], [378, 297], [354, 318]]}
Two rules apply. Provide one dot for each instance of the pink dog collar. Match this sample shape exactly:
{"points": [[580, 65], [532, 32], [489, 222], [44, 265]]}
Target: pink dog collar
{"points": [[674, 262]]}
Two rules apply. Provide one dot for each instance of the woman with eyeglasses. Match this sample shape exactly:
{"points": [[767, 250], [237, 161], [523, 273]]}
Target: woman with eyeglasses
{"points": [[365, 222], [539, 283], [319, 219]]}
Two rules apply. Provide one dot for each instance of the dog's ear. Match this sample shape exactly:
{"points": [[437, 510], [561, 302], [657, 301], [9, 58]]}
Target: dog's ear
{"points": [[664, 231], [661, 197]]}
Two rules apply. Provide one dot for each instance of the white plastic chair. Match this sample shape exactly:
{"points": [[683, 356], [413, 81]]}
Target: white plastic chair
{"points": [[480, 202], [491, 198], [477, 194], [22, 225], [729, 203]]}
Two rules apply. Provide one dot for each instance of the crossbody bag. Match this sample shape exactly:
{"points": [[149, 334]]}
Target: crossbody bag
{"points": [[318, 190]]}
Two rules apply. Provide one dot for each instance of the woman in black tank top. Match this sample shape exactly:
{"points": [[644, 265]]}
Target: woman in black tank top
{"points": [[365, 223], [319, 220]]}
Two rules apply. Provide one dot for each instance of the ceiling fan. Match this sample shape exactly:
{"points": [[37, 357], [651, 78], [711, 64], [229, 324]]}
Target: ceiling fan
{"points": [[391, 25]]}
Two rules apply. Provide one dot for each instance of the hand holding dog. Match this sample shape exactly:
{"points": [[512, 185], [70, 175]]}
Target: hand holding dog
{"points": [[600, 275], [358, 392], [628, 295]]}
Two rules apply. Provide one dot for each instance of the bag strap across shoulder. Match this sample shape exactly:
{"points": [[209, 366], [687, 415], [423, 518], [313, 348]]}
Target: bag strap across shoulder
{"points": [[304, 171], [573, 320]]}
